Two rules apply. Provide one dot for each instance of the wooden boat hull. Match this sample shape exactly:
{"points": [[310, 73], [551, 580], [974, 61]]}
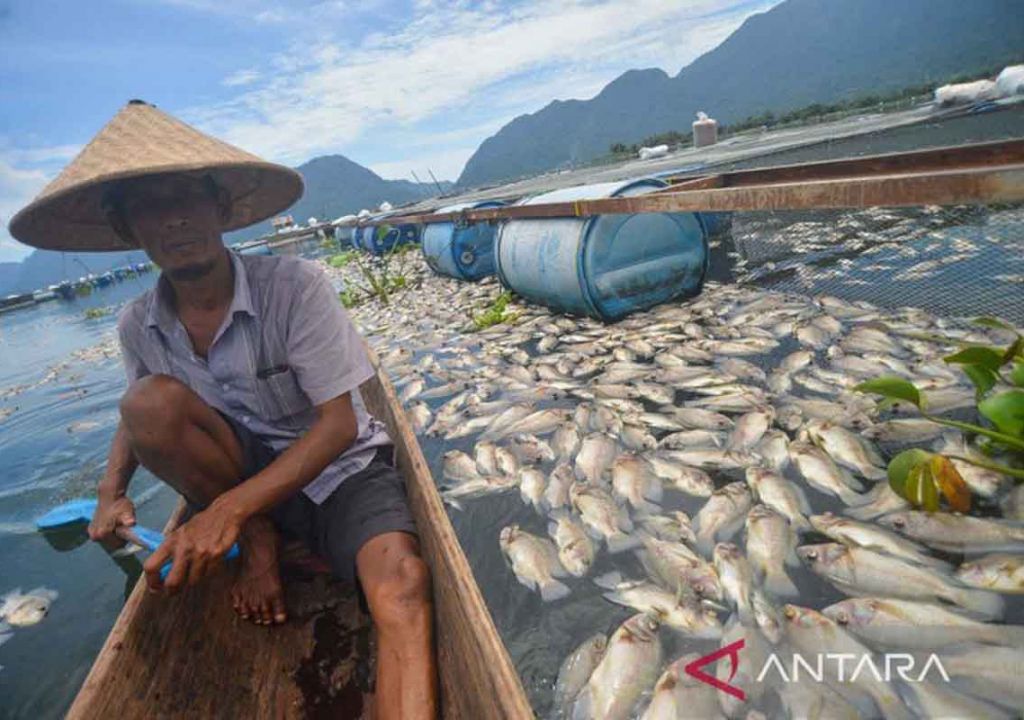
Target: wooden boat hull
{"points": [[190, 656]]}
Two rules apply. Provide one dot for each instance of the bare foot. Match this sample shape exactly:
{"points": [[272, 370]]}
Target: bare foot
{"points": [[257, 594]]}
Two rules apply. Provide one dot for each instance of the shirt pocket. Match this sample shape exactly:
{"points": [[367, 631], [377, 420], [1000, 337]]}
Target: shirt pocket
{"points": [[279, 393]]}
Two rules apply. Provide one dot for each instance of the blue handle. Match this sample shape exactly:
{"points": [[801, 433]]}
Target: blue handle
{"points": [[151, 540]]}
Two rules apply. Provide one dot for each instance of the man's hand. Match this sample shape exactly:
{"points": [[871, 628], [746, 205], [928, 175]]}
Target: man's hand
{"points": [[109, 515], [195, 548]]}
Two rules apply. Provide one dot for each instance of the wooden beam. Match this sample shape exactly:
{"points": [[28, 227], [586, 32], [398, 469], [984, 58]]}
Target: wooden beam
{"points": [[478, 679], [981, 185]]}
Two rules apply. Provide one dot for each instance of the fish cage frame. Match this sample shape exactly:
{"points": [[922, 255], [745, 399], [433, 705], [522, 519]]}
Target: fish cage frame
{"points": [[974, 173]]}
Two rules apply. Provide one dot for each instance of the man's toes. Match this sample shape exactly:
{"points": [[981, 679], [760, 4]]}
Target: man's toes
{"points": [[277, 607]]}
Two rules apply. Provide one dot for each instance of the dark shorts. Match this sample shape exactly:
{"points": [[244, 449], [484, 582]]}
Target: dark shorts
{"points": [[367, 504]]}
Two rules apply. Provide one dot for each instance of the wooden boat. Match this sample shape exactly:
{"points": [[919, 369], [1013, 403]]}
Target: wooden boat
{"points": [[190, 656]]}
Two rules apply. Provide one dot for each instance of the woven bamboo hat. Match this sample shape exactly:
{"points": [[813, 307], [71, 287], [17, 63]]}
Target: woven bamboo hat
{"points": [[140, 141]]}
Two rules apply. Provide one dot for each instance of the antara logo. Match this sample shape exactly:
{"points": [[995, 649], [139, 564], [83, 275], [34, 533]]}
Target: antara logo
{"points": [[842, 667]]}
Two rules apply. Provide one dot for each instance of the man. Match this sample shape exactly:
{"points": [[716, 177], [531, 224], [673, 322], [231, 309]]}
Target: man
{"points": [[243, 395]]}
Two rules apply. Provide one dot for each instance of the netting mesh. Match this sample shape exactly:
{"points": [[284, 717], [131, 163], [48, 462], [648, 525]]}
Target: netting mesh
{"points": [[953, 261]]}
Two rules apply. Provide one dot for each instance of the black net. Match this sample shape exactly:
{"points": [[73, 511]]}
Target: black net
{"points": [[953, 261]]}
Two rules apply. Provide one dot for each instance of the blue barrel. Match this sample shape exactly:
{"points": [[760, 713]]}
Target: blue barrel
{"points": [[344, 234], [357, 236], [606, 266], [383, 238], [464, 252]]}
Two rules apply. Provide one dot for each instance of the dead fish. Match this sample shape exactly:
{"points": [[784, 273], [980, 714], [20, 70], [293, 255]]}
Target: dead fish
{"points": [[673, 526], [636, 438], [566, 441], [459, 466], [627, 670], [419, 416], [859, 571], [598, 510], [822, 474], [23, 609], [692, 418], [750, 428], [878, 501], [714, 458], [575, 671], [1001, 572], [780, 495], [532, 485], [685, 614], [678, 695], [575, 548], [957, 533], [634, 481], [690, 480], [410, 391], [595, 457], [737, 578], [529, 449], [534, 562], [485, 458], [812, 633], [691, 438], [872, 537], [541, 422], [908, 625], [770, 544], [904, 430], [722, 515], [847, 449]]}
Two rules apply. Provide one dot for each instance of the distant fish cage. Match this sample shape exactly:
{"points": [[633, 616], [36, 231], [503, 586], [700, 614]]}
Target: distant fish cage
{"points": [[458, 250]]}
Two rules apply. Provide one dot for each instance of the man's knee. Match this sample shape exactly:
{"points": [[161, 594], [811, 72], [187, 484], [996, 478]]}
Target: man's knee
{"points": [[154, 406], [402, 598]]}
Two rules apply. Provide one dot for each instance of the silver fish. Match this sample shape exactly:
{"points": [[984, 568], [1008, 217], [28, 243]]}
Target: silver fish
{"points": [[596, 454], [812, 633], [858, 571], [957, 533], [691, 438], [678, 568], [419, 416], [635, 437], [532, 485], [484, 454], [750, 428], [627, 670], [673, 526], [575, 671], [780, 495], [19, 609], [823, 474], [679, 695], [908, 625], [723, 514], [635, 482], [872, 537], [737, 578], [990, 672], [529, 449], [599, 512], [575, 548], [692, 418], [1001, 572], [770, 544], [459, 466], [847, 449], [556, 495], [674, 610], [534, 562]]}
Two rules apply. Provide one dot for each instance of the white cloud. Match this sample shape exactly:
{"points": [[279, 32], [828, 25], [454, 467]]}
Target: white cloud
{"points": [[469, 56], [17, 188], [241, 77], [446, 165]]}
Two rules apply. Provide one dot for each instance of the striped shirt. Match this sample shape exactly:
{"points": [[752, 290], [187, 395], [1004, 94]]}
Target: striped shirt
{"points": [[286, 345]]}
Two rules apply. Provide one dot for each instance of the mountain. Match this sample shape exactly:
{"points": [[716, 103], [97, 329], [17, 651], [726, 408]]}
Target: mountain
{"points": [[334, 186], [799, 52]]}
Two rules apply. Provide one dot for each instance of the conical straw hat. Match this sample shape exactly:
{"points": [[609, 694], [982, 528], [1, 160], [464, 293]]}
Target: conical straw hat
{"points": [[141, 140]]}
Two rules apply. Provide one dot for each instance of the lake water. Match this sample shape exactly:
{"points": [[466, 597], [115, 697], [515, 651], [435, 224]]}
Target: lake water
{"points": [[43, 463]]}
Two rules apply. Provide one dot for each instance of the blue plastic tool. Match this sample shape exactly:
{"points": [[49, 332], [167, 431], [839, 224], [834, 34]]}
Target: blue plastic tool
{"points": [[81, 511]]}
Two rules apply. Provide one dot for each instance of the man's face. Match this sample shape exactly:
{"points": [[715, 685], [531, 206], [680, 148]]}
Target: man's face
{"points": [[178, 223]]}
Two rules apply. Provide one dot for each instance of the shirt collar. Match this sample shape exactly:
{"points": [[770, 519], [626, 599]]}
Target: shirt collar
{"points": [[161, 314]]}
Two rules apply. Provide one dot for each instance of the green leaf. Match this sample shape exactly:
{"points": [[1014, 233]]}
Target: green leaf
{"points": [[992, 322], [1013, 351], [1006, 411], [986, 357], [983, 378], [893, 388], [1017, 373], [901, 465]]}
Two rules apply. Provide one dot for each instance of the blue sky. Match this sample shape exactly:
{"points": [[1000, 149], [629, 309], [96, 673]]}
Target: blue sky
{"points": [[396, 85]]}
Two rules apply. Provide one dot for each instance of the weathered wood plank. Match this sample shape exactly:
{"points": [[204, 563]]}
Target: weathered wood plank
{"points": [[478, 679], [191, 656]]}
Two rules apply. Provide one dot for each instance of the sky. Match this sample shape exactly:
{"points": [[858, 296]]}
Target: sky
{"points": [[399, 86]]}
